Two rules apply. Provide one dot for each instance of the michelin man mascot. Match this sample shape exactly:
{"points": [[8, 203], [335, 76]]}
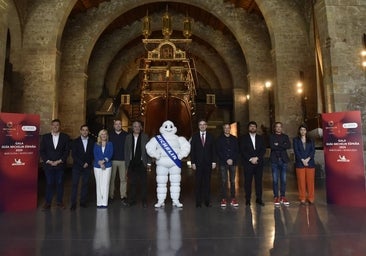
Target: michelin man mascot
{"points": [[168, 149]]}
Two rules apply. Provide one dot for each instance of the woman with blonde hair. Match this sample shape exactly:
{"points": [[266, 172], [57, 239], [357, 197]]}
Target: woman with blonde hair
{"points": [[103, 151], [304, 150]]}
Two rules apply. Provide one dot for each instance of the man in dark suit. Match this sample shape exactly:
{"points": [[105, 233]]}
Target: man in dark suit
{"points": [[82, 155], [252, 149], [203, 162], [137, 163], [54, 150]]}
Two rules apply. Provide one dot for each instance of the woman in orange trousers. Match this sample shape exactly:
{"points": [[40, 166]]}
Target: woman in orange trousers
{"points": [[304, 150]]}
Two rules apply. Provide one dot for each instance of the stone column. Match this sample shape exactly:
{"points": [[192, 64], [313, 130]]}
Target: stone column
{"points": [[240, 108], [72, 103], [40, 84]]}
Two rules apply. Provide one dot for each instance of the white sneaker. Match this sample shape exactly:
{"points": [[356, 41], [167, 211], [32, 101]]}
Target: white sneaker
{"points": [[159, 204], [178, 204]]}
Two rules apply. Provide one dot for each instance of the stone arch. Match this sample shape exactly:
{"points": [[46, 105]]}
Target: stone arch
{"points": [[291, 53], [228, 51], [82, 32], [10, 30], [42, 36], [124, 68]]}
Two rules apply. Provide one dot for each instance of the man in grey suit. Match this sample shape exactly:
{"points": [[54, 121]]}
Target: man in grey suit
{"points": [[137, 163]]}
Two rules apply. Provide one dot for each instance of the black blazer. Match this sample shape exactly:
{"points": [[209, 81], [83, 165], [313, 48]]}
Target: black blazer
{"points": [[247, 150], [49, 152], [79, 155], [279, 144], [203, 155]]}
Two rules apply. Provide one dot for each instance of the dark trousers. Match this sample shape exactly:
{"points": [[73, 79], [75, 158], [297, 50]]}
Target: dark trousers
{"points": [[137, 176], [54, 177], [203, 181], [253, 171], [225, 170], [84, 174]]}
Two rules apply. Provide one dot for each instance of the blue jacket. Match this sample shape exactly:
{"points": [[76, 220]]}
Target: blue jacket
{"points": [[106, 156], [303, 153]]}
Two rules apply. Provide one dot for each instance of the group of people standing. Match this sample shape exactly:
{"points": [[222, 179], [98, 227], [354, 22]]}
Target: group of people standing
{"points": [[116, 151], [250, 149], [125, 153]]}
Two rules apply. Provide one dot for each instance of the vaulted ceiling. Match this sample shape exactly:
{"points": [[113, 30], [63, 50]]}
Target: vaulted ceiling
{"points": [[196, 13]]}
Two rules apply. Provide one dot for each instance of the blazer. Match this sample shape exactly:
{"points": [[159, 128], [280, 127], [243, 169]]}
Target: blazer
{"points": [[279, 151], [227, 148], [100, 155], [79, 155], [203, 155], [247, 150], [128, 149], [303, 153], [49, 152]]}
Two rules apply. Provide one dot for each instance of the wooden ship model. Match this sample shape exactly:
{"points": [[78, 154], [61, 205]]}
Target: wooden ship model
{"points": [[167, 79]]}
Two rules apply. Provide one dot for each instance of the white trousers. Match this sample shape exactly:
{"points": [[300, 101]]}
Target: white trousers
{"points": [[102, 179]]}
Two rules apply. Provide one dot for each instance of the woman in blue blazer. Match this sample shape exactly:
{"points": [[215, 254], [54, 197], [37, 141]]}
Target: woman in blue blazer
{"points": [[103, 151], [304, 150]]}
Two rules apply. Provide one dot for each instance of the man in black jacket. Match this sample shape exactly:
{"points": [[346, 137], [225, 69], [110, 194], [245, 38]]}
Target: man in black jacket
{"points": [[252, 149], [227, 152], [82, 155], [279, 143]]}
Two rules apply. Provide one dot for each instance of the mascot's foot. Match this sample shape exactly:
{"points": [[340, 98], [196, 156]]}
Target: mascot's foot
{"points": [[178, 204], [159, 204]]}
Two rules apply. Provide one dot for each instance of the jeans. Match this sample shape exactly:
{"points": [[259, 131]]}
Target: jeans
{"points": [[279, 172], [224, 169]]}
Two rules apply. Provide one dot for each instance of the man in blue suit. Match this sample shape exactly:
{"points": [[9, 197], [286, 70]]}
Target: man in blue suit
{"points": [[54, 150], [82, 155]]}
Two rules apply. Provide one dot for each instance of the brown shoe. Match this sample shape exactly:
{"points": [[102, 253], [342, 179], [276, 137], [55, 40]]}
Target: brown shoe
{"points": [[61, 206], [46, 207]]}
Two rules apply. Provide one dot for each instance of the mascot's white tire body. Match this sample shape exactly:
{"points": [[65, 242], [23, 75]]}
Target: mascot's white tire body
{"points": [[166, 169]]}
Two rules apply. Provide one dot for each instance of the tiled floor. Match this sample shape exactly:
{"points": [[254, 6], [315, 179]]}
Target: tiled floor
{"points": [[314, 230]]}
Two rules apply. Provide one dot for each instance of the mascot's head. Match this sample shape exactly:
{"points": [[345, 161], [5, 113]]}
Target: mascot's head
{"points": [[168, 128]]}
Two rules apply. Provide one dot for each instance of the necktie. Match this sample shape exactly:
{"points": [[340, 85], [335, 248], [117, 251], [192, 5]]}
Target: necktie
{"points": [[203, 139]]}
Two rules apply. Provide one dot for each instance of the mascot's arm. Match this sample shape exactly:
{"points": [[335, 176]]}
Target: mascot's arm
{"points": [[152, 148], [185, 148]]}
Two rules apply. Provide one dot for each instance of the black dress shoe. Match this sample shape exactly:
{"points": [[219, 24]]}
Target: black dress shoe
{"points": [[73, 207], [130, 204], [247, 203], [259, 202], [61, 206], [208, 204], [83, 205], [46, 207]]}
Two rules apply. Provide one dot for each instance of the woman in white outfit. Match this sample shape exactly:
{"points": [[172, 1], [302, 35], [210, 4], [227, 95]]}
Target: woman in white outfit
{"points": [[103, 151]]}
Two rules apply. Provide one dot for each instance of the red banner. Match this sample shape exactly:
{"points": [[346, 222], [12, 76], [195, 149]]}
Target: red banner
{"points": [[343, 155], [19, 158]]}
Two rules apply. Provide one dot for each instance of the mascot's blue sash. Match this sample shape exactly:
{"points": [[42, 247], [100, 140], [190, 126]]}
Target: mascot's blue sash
{"points": [[168, 150]]}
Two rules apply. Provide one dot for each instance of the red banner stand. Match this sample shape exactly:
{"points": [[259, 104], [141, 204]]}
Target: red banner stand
{"points": [[343, 155], [19, 158]]}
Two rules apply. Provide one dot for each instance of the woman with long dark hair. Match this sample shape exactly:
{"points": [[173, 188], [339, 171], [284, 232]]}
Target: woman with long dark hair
{"points": [[304, 150]]}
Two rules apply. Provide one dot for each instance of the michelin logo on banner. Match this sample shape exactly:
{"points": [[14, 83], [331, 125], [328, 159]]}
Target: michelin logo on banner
{"points": [[17, 162]]}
